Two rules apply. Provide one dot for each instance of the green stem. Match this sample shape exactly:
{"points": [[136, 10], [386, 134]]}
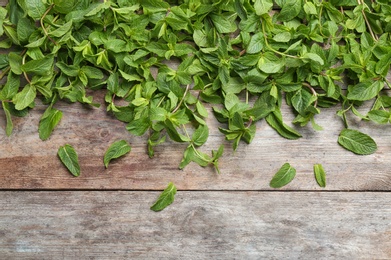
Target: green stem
{"points": [[374, 36], [313, 92], [24, 73], [5, 72], [181, 101], [161, 101], [42, 25]]}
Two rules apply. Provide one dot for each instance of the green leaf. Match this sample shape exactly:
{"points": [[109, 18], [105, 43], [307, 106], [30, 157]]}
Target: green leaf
{"points": [[222, 24], [24, 29], [37, 43], [357, 142], [309, 8], [64, 6], [48, 122], [92, 72], [69, 70], [166, 198], [365, 90], [308, 57], [10, 125], [11, 88], [262, 6], [290, 9], [116, 150], [284, 176], [200, 135], [201, 109], [113, 82], [282, 37], [275, 121], [62, 30], [15, 62], [256, 43], [129, 77], [69, 158], [35, 8], [383, 65], [39, 67], [154, 6], [379, 116], [271, 64], [117, 45], [320, 175], [138, 126], [24, 98], [301, 100]]}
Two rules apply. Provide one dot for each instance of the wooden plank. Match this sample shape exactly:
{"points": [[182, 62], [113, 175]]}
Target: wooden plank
{"points": [[199, 225], [26, 162]]}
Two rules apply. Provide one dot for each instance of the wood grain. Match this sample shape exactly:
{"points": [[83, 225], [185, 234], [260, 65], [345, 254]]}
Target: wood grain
{"points": [[198, 225], [26, 162]]}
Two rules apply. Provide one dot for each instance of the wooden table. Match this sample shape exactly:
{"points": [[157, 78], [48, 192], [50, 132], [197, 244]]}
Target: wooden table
{"points": [[46, 213]]}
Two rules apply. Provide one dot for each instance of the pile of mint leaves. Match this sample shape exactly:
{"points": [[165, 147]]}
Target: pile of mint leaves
{"points": [[243, 58]]}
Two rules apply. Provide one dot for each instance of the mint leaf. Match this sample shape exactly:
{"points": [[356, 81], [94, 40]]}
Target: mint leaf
{"points": [[275, 121], [262, 6], [48, 122], [24, 98], [64, 6], [39, 67], [357, 142], [166, 198], [35, 8], [69, 158], [365, 90], [290, 9], [284, 176], [116, 150], [9, 126], [320, 175]]}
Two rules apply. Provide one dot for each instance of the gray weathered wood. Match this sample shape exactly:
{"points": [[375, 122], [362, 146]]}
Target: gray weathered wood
{"points": [[26, 162], [199, 225]]}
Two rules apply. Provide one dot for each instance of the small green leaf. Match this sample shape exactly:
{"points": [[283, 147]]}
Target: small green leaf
{"points": [[274, 120], [15, 62], [39, 67], [116, 150], [48, 122], [313, 57], [62, 30], [290, 9], [309, 8], [200, 135], [24, 29], [25, 97], [357, 142], [320, 175], [10, 125], [284, 176], [35, 8], [11, 88], [365, 90], [379, 116], [262, 6], [282, 37], [166, 198], [69, 158], [64, 6], [201, 109]]}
